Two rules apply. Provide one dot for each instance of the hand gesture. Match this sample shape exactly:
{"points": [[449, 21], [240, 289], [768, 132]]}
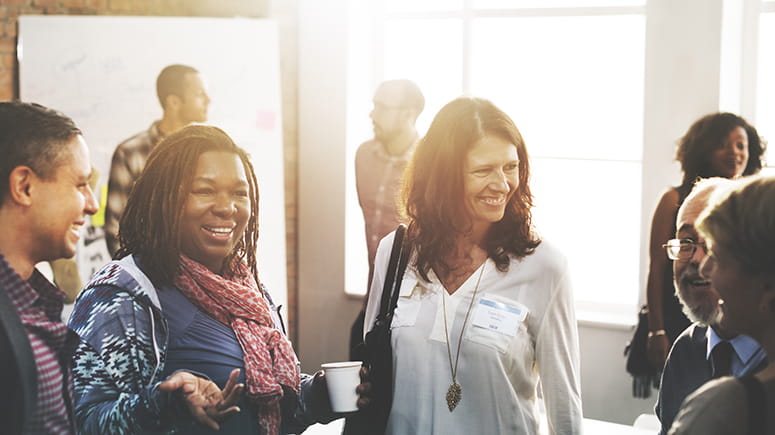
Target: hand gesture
{"points": [[202, 397]]}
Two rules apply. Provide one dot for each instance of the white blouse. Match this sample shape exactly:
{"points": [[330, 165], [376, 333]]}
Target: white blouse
{"points": [[502, 354]]}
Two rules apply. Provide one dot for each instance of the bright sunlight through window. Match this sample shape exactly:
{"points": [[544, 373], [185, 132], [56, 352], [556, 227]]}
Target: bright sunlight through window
{"points": [[576, 94]]}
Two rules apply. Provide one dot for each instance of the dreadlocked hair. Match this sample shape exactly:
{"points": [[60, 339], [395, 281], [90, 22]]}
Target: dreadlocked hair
{"points": [[150, 224]]}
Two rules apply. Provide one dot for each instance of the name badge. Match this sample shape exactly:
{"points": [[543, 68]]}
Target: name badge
{"points": [[499, 317]]}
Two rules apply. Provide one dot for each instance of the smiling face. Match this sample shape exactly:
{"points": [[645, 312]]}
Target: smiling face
{"points": [[63, 202], [698, 297], [217, 209], [730, 160], [490, 178]]}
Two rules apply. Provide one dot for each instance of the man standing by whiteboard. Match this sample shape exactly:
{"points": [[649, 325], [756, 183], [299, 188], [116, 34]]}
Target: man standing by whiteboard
{"points": [[184, 99], [380, 163]]}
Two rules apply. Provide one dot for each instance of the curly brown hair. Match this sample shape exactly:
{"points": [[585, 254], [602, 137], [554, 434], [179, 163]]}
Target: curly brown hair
{"points": [[150, 225], [432, 191], [708, 134]]}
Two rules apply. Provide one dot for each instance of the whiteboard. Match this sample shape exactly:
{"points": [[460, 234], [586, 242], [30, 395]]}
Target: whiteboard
{"points": [[101, 71]]}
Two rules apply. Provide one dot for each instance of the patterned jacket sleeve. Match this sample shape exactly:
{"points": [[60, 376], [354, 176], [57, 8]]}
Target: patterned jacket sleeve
{"points": [[115, 369]]}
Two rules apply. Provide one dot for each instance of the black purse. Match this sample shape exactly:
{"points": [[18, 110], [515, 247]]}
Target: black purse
{"points": [[376, 351], [644, 375]]}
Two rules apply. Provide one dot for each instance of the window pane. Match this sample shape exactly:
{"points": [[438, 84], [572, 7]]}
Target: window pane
{"points": [[765, 95], [591, 210], [428, 52], [422, 5], [356, 273], [360, 88], [509, 4], [573, 90]]}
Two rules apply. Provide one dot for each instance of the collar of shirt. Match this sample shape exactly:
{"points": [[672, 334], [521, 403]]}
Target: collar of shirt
{"points": [[745, 347], [36, 291], [16, 287], [155, 134], [382, 153], [23, 293]]}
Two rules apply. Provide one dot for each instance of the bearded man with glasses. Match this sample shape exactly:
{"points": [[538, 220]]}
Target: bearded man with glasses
{"points": [[704, 350]]}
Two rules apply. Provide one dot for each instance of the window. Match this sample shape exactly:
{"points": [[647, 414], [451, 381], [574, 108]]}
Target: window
{"points": [[765, 94], [572, 74], [549, 65]]}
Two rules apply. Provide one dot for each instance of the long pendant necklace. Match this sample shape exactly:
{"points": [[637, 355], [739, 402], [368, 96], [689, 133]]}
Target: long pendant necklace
{"points": [[455, 392]]}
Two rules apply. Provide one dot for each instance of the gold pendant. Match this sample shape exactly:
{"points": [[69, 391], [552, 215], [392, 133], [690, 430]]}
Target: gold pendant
{"points": [[454, 394]]}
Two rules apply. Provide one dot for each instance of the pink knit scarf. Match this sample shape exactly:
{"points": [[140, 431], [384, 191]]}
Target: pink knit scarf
{"points": [[238, 303]]}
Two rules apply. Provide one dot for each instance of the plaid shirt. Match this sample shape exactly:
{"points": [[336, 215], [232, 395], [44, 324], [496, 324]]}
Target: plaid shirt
{"points": [[39, 304], [378, 179], [127, 164]]}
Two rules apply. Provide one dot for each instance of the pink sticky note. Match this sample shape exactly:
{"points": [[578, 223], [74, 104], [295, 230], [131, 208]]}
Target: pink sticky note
{"points": [[265, 120]]}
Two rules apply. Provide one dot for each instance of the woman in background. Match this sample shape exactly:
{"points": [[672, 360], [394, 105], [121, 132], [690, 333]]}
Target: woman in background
{"points": [[185, 301], [740, 235], [716, 145], [485, 306]]}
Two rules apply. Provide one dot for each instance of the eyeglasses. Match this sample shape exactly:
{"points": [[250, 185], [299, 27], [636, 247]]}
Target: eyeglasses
{"points": [[683, 249], [385, 107]]}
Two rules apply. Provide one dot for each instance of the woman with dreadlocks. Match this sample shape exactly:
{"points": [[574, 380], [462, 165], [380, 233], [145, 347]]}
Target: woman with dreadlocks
{"points": [[171, 332]]}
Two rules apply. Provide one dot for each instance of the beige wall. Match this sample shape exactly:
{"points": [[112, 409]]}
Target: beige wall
{"points": [[325, 313]]}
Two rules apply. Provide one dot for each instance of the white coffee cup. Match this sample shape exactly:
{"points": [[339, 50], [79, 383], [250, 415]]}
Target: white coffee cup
{"points": [[342, 378]]}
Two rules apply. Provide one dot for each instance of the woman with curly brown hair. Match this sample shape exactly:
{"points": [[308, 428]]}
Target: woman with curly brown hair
{"points": [[485, 307], [716, 145]]}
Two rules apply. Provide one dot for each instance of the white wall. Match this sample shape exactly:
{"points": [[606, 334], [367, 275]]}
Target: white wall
{"points": [[682, 83], [606, 388], [683, 50]]}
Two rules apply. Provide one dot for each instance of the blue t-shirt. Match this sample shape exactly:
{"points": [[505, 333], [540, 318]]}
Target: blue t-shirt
{"points": [[198, 342]]}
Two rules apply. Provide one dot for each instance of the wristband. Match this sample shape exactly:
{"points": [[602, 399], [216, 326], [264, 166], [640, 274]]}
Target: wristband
{"points": [[657, 332]]}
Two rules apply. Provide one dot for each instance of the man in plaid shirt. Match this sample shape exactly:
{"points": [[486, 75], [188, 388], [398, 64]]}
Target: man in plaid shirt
{"points": [[44, 200], [379, 165], [184, 100]]}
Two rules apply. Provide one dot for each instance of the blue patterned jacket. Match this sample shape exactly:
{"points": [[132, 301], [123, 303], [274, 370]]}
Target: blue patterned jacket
{"points": [[120, 358]]}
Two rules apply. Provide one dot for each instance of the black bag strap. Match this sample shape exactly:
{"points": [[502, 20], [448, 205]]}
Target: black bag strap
{"points": [[395, 273], [757, 405], [403, 260]]}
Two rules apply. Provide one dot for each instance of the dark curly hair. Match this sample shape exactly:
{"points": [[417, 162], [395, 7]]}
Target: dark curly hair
{"points": [[432, 191], [708, 134], [150, 225]]}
